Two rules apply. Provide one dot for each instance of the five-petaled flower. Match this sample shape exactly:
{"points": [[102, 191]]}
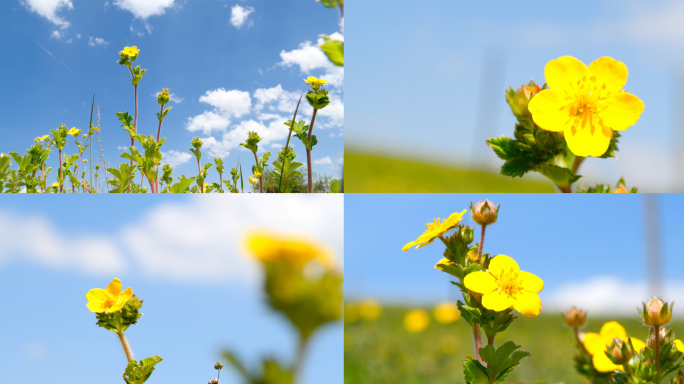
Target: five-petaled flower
{"points": [[74, 131], [110, 299], [315, 82], [585, 103], [437, 228], [596, 343], [269, 248], [505, 286], [130, 51]]}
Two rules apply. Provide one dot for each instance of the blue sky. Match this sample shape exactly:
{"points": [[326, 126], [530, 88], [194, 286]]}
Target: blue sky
{"points": [[439, 70], [183, 256], [589, 250], [231, 66]]}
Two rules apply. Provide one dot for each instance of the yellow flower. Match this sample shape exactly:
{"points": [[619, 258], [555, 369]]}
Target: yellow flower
{"points": [[257, 174], [315, 81], [585, 103], [505, 286], [436, 229], [596, 343], [55, 184], [130, 51], [253, 180], [268, 248], [42, 138], [73, 131], [621, 189], [447, 312], [85, 160], [370, 309], [416, 320], [679, 345], [110, 299]]}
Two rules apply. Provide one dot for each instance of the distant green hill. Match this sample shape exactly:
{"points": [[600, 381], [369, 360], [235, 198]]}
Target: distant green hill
{"points": [[383, 351], [371, 173]]}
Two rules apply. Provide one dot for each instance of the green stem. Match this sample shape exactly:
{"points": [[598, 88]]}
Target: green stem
{"points": [[287, 144], [576, 164], [301, 350], [479, 251], [657, 353], [490, 340], [308, 152], [126, 347], [261, 188]]}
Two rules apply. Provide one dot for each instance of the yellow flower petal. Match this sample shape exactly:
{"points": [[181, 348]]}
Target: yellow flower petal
{"points": [[587, 137], [639, 345], [621, 111], [497, 301], [114, 288], [565, 72], [530, 282], [603, 364], [678, 344], [454, 219], [125, 295], [550, 109], [611, 330], [96, 294], [502, 263], [96, 306], [480, 282], [594, 343], [610, 72], [527, 303]]}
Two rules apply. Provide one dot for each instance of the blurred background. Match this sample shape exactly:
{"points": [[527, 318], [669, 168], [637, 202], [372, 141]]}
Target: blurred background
{"points": [[604, 254], [428, 81], [183, 256]]}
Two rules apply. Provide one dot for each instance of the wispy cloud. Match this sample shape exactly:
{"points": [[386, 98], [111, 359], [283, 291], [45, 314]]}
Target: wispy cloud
{"points": [[97, 41], [239, 16]]}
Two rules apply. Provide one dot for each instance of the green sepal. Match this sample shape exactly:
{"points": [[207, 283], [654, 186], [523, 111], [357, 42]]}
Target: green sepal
{"points": [[119, 321], [561, 176], [318, 99]]}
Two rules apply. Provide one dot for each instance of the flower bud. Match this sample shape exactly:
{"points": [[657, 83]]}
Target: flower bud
{"points": [[663, 337], [218, 365], [484, 212], [575, 317], [656, 312], [196, 142], [465, 235], [214, 381], [163, 96], [679, 379], [619, 351], [518, 100]]}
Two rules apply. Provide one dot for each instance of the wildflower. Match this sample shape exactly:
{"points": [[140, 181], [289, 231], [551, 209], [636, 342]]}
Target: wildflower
{"points": [[315, 82], [131, 52], [84, 136], [110, 299], [269, 248], [575, 317], [416, 320], [85, 160], [485, 212], [621, 189], [585, 103], [436, 229], [42, 138], [370, 309], [680, 346], [55, 184], [505, 286], [253, 180], [163, 97], [596, 343], [656, 312], [447, 312], [74, 132], [620, 351], [257, 174]]}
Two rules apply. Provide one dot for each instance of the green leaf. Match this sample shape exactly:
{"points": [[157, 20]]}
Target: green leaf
{"points": [[475, 372], [334, 49], [335, 186], [138, 373], [561, 176], [501, 361]]}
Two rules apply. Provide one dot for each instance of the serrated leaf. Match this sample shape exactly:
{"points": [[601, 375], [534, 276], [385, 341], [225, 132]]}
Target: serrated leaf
{"points": [[475, 372]]}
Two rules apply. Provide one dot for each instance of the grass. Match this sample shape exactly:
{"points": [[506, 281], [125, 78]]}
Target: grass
{"points": [[382, 351], [380, 173]]}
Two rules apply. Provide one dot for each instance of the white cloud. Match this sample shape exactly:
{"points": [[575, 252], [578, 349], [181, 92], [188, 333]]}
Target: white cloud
{"points": [[175, 158], [323, 161], [334, 112], [78, 35], [227, 104], [201, 240], [143, 9], [96, 41], [56, 34], [275, 130], [607, 295], [276, 98], [49, 8], [239, 16], [312, 61], [175, 98], [57, 248], [277, 146]]}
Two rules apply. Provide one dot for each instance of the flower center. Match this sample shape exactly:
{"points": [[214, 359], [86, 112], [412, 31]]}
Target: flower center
{"points": [[509, 282], [585, 103], [109, 301]]}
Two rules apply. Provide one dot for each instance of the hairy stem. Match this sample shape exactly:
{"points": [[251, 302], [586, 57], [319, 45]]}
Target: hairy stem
{"points": [[126, 347], [308, 152], [482, 235], [478, 341], [657, 353]]}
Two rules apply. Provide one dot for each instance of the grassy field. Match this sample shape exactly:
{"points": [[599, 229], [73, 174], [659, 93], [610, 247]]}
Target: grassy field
{"points": [[382, 351], [371, 173]]}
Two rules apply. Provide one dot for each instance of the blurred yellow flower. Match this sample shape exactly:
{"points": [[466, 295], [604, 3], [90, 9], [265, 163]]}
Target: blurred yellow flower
{"points": [[55, 184], [268, 248], [257, 174], [253, 180], [351, 313], [585, 103], [447, 312], [621, 189], [42, 138], [110, 299], [596, 343], [436, 229], [505, 286], [130, 51], [74, 131], [85, 160], [679, 345], [416, 320], [315, 81], [370, 309]]}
